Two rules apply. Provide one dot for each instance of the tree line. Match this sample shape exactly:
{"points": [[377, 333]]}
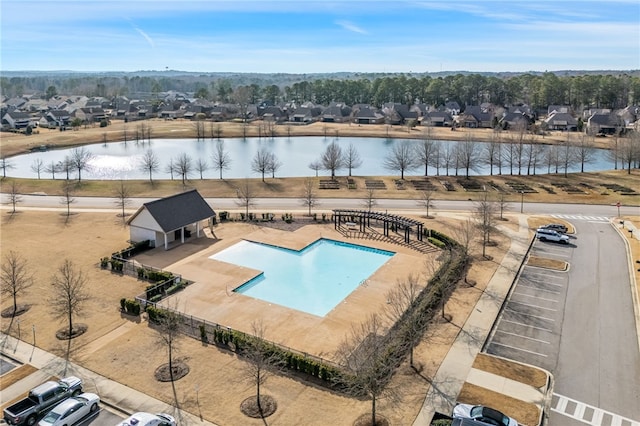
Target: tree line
{"points": [[607, 90]]}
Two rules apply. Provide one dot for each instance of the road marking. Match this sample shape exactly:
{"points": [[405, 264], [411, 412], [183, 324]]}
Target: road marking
{"points": [[535, 274], [533, 306], [598, 219], [524, 337], [529, 326], [517, 293], [530, 315], [519, 349], [578, 413], [539, 289]]}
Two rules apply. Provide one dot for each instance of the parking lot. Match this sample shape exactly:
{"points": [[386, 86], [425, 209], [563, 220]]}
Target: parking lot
{"points": [[530, 324]]}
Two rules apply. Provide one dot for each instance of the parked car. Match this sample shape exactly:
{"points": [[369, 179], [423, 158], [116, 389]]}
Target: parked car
{"points": [[550, 235], [482, 414], [469, 422], [148, 419], [40, 400], [72, 410], [555, 227]]}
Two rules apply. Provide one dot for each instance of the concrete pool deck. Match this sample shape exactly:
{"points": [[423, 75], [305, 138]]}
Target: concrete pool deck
{"points": [[211, 297]]}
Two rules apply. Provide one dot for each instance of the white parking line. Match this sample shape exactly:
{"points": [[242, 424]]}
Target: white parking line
{"points": [[530, 315], [533, 306], [524, 337], [542, 275], [519, 349], [528, 325], [539, 289], [578, 413], [517, 293]]}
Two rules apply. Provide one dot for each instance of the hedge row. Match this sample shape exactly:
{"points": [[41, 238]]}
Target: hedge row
{"points": [[129, 306]]}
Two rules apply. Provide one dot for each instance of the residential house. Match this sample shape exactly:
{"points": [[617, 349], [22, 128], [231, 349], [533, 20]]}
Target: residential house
{"points": [[564, 109], [452, 107], [305, 114], [367, 115], [604, 124], [515, 120], [475, 117], [170, 219], [274, 113], [437, 119], [17, 120], [90, 115], [396, 113], [56, 118], [336, 113], [562, 121]]}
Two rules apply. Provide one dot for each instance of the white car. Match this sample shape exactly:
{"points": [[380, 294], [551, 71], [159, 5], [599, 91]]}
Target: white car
{"points": [[71, 410], [482, 414], [148, 419], [544, 234]]}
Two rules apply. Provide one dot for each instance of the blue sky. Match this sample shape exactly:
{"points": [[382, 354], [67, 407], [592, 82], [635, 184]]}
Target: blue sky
{"points": [[319, 36]]}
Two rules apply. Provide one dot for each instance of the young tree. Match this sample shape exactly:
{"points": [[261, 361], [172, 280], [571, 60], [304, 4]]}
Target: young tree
{"points": [[14, 195], [66, 166], [245, 197], [260, 162], [201, 166], [184, 166], [5, 164], [309, 198], [315, 166], [52, 168], [168, 332], [584, 150], [400, 303], [426, 201], [274, 165], [425, 152], [260, 359], [150, 163], [15, 278], [332, 159], [69, 294], [492, 153], [485, 212], [352, 158], [370, 200], [369, 363], [123, 197], [465, 232], [468, 154], [37, 166], [221, 158], [447, 157], [67, 197], [402, 158], [80, 160], [170, 167]]}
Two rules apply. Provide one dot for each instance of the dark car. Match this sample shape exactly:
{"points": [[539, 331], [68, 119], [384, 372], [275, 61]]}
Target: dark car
{"points": [[555, 227]]}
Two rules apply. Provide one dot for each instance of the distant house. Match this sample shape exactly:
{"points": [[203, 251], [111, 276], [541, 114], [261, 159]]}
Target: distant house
{"points": [[565, 109], [305, 114], [56, 118], [170, 219], [515, 120], [367, 115], [396, 113], [16, 120], [90, 114], [274, 113], [561, 121], [604, 124], [437, 119], [476, 117], [336, 113], [452, 107]]}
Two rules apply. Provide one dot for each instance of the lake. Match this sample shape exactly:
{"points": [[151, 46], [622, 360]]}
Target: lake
{"points": [[121, 160]]}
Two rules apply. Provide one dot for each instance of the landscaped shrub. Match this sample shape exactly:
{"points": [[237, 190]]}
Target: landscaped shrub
{"points": [[155, 314], [116, 265], [141, 272], [104, 262], [130, 306], [156, 298], [123, 302], [174, 288], [158, 276], [223, 215], [203, 333], [436, 242]]}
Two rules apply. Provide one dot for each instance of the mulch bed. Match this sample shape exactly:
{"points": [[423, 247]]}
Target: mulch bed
{"points": [[163, 373], [9, 312], [249, 406], [78, 330], [365, 420]]}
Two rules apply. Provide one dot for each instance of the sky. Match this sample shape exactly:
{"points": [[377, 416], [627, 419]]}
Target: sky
{"points": [[309, 36]]}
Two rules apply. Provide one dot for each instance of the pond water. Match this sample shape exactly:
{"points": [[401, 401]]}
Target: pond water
{"points": [[121, 160]]}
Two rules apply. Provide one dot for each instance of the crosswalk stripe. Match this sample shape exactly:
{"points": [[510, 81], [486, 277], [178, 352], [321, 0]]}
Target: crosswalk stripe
{"points": [[581, 217], [580, 408]]}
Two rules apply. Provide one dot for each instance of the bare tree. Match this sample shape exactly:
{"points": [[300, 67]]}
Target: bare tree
{"points": [[315, 166], [352, 159], [261, 161], [401, 300], [69, 294], [80, 159], [260, 359], [468, 154], [14, 195], [221, 158], [150, 163], [465, 232], [492, 155], [52, 168], [5, 164], [425, 152], [170, 167], [198, 126], [566, 155], [201, 166], [402, 158], [169, 335], [67, 197], [368, 363], [447, 157], [485, 212], [216, 130], [245, 196], [274, 164], [584, 150], [123, 197], [332, 159], [309, 198], [629, 151], [503, 204], [37, 166], [184, 166], [426, 201], [15, 278], [370, 200]]}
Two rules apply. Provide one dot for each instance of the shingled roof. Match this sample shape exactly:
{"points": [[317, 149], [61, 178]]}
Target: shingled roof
{"points": [[178, 210]]}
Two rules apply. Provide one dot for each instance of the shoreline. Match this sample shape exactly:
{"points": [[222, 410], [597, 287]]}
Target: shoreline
{"points": [[12, 144]]}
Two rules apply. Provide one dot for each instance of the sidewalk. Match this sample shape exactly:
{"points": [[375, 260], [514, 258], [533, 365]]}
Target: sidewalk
{"points": [[456, 367], [114, 394]]}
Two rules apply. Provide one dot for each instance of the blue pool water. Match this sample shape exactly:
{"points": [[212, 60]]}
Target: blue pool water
{"points": [[314, 279]]}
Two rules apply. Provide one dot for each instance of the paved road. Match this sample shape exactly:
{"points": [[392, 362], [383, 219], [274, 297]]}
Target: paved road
{"points": [[580, 326], [335, 203]]}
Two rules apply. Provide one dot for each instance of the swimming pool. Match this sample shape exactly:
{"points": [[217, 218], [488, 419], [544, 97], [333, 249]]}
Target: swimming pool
{"points": [[314, 279]]}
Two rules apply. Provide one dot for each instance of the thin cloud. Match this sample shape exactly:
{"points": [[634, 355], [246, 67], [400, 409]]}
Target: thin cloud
{"points": [[350, 26], [145, 35]]}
